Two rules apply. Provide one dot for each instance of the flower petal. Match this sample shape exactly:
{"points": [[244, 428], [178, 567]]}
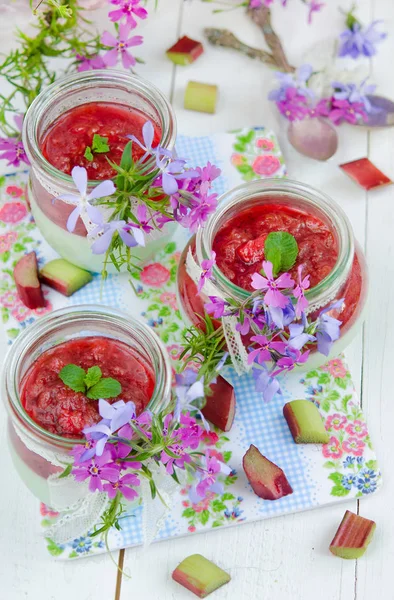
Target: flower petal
{"points": [[73, 218], [80, 177], [105, 188]]}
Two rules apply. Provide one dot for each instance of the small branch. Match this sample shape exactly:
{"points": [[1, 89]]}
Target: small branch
{"points": [[262, 17], [226, 39]]}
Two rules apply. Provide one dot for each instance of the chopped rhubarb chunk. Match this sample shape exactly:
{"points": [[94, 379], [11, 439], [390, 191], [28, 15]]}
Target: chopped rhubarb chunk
{"points": [[364, 172], [201, 97], [267, 479], [220, 406], [353, 536], [27, 283], [64, 277], [305, 422], [252, 251], [200, 575], [185, 51]]}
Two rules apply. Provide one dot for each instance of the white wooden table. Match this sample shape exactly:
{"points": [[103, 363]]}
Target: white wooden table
{"points": [[285, 558]]}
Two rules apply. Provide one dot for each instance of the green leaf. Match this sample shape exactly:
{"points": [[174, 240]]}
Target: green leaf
{"points": [[245, 169], [372, 464], [188, 512], [5, 256], [342, 383], [170, 248], [88, 154], [126, 160], [105, 388], [325, 405], [345, 402], [239, 147], [217, 524], [53, 548], [339, 490], [93, 376], [66, 471], [323, 378], [333, 396], [73, 377], [100, 144], [336, 477], [227, 496], [204, 517], [13, 333], [218, 506], [311, 375], [227, 455], [329, 464], [283, 243]]}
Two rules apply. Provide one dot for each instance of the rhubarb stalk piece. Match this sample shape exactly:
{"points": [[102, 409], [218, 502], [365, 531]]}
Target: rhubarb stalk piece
{"points": [[220, 406], [353, 536], [305, 422], [267, 479], [64, 277], [201, 97], [27, 282], [200, 575], [185, 51], [365, 173]]}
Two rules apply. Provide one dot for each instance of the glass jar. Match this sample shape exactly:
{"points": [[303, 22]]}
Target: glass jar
{"points": [[348, 278], [31, 445], [46, 181]]}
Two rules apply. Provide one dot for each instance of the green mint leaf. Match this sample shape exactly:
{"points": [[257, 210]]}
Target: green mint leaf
{"points": [[93, 376], [283, 244], [105, 388], [126, 160], [88, 154], [100, 144], [73, 377]]}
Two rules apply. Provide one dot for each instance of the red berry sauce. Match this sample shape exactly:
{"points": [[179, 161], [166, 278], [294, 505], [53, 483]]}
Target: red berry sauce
{"points": [[65, 142], [60, 410]]}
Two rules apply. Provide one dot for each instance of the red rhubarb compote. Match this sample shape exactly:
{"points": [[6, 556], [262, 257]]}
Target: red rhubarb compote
{"points": [[60, 410], [65, 142]]}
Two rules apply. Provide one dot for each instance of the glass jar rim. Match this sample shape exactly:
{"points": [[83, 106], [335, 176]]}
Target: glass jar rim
{"points": [[156, 350], [325, 291], [50, 95]]}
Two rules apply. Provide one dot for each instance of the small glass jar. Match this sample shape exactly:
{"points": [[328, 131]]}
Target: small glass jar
{"points": [[348, 274], [47, 182], [24, 434]]}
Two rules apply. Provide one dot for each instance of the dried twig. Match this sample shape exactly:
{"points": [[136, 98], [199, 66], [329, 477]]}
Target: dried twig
{"points": [[262, 17], [226, 39]]}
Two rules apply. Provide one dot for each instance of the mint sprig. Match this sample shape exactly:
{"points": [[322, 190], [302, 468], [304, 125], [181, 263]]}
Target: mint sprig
{"points": [[90, 382], [99, 146], [281, 249]]}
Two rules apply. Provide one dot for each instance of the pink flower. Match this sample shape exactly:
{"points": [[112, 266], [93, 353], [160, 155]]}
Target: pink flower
{"points": [[155, 275], [206, 266], [43, 310], [185, 503], [169, 298], [216, 454], [87, 63], [273, 296], [9, 300], [237, 159], [120, 46], [335, 367], [210, 438], [47, 512], [21, 313], [294, 106], [333, 448], [343, 110], [125, 485], [336, 422], [7, 240], [174, 351], [354, 446], [191, 528], [126, 10], [266, 165], [299, 293], [357, 428], [264, 143], [13, 212], [12, 148], [14, 191]]}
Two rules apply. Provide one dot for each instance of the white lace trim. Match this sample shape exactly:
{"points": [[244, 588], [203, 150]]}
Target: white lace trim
{"points": [[235, 347]]}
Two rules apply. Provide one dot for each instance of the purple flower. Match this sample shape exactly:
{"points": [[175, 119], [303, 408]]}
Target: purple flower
{"points": [[87, 63], [328, 328], [97, 469], [356, 41], [190, 432], [171, 171], [298, 337], [12, 148], [206, 266], [124, 486], [114, 417], [299, 292], [289, 81], [287, 363], [119, 452], [210, 473], [266, 384], [140, 422], [314, 6], [130, 236], [203, 206], [280, 317], [208, 173], [126, 10], [216, 307], [354, 93], [148, 133], [266, 347], [294, 107], [82, 452], [273, 296], [82, 202], [181, 457], [185, 395], [343, 110], [120, 46]]}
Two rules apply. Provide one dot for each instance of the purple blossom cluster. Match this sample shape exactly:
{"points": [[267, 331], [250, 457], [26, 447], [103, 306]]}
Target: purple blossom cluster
{"points": [[11, 148], [357, 40], [125, 15], [296, 101], [277, 310], [111, 463]]}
